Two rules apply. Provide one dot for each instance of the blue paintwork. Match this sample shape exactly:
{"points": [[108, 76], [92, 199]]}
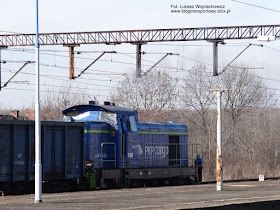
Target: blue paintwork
{"points": [[139, 150], [156, 147], [94, 141], [62, 150]]}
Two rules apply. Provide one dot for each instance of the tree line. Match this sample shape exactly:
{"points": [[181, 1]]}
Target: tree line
{"points": [[249, 115]]}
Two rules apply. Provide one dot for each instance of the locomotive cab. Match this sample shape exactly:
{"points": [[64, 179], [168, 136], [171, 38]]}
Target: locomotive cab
{"points": [[108, 130]]}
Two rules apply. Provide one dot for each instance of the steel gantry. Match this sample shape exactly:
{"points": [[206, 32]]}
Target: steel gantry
{"points": [[140, 37]]}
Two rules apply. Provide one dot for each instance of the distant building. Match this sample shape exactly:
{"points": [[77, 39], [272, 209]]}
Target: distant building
{"points": [[14, 115]]}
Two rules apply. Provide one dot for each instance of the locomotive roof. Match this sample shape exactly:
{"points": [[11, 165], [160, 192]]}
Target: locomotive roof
{"points": [[114, 109]]}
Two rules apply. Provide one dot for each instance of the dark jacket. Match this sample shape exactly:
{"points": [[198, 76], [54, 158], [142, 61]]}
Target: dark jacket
{"points": [[198, 161]]}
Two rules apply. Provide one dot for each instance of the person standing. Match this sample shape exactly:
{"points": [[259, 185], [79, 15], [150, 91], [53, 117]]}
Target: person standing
{"points": [[198, 163]]}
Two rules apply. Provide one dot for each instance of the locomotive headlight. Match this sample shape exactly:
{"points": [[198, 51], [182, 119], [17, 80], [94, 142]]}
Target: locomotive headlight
{"points": [[89, 164]]}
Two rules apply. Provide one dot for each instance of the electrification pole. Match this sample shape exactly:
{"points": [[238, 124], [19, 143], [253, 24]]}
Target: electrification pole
{"points": [[138, 60], [219, 144], [215, 56], [219, 159], [38, 165]]}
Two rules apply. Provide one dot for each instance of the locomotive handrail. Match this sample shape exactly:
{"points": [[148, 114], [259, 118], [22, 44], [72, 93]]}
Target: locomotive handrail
{"points": [[123, 147], [134, 141], [176, 156], [93, 154], [102, 160]]}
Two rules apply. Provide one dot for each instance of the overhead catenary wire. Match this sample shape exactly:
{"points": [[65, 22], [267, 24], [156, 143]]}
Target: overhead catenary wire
{"points": [[127, 54], [83, 71], [272, 48], [65, 67], [160, 65], [276, 89], [237, 57], [254, 5], [66, 80], [51, 91], [102, 60], [74, 87], [127, 63], [27, 49], [163, 66], [234, 59], [27, 62], [12, 32]]}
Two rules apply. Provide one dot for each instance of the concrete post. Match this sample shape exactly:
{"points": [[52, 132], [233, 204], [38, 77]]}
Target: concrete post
{"points": [[219, 144]]}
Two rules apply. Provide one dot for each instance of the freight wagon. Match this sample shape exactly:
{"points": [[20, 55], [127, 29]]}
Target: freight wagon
{"points": [[63, 155], [122, 152]]}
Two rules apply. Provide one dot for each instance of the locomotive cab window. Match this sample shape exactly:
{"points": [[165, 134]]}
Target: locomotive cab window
{"points": [[109, 116], [89, 115], [132, 124]]}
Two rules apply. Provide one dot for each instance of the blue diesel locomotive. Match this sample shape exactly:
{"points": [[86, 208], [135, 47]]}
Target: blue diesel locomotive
{"points": [[122, 152], [103, 146]]}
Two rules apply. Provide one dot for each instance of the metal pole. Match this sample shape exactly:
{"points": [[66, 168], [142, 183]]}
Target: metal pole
{"points": [[71, 63], [219, 145], [138, 60], [71, 59], [38, 165], [0, 68], [215, 58]]}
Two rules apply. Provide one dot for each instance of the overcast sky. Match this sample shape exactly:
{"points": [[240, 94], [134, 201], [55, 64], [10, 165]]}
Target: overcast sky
{"points": [[90, 15]]}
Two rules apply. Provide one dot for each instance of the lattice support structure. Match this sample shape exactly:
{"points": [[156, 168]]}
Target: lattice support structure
{"points": [[142, 36]]}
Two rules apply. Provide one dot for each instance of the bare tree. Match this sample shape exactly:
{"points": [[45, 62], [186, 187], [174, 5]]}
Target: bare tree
{"points": [[196, 95], [244, 105], [151, 94], [245, 100], [198, 101], [246, 93], [53, 104]]}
